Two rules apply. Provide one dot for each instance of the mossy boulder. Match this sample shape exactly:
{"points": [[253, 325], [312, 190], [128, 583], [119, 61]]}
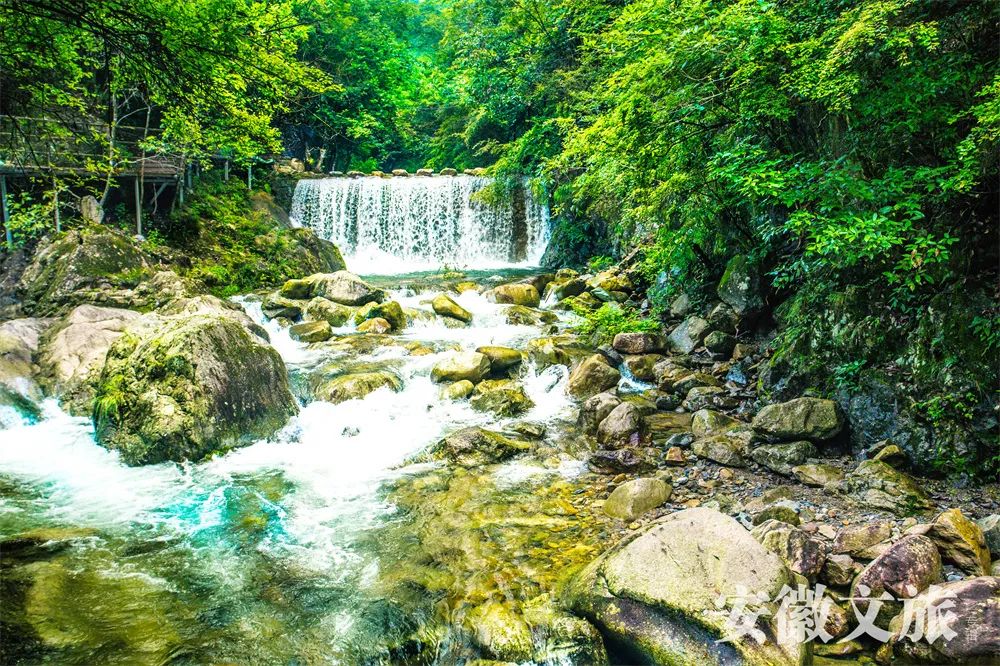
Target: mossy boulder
{"points": [[182, 388], [500, 632], [557, 350], [502, 359], [311, 254], [376, 325], [501, 397], [781, 458], [340, 287], [474, 446], [19, 342], [310, 331], [87, 265], [591, 376], [814, 419], [876, 484], [456, 366], [515, 294], [688, 335], [459, 390], [357, 385], [741, 287], [320, 309], [521, 315], [391, 311], [447, 307], [634, 498]]}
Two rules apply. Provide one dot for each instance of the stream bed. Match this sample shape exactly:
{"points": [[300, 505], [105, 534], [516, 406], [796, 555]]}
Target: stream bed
{"points": [[326, 545]]}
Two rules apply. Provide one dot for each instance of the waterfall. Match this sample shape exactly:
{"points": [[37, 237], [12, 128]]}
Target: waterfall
{"points": [[393, 225]]}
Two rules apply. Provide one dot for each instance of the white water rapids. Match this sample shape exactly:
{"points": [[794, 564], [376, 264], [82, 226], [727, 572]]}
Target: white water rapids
{"points": [[400, 224]]}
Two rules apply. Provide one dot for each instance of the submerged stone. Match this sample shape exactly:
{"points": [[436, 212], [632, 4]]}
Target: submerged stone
{"points": [[357, 385], [446, 307], [634, 498], [474, 446]]}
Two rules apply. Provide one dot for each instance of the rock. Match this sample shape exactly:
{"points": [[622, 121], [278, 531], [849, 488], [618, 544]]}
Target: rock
{"points": [[782, 511], [620, 460], [725, 449], [296, 289], [803, 418], [839, 570], [560, 289], [93, 264], [967, 612], [705, 423], [461, 365], [904, 570], [556, 350], [425, 172], [708, 397], [181, 388], [662, 425], [680, 306], [801, 553], [641, 366], [991, 531], [501, 358], [528, 429], [320, 309], [875, 484], [655, 595], [457, 390], [818, 475], [474, 446], [675, 456], [448, 172], [391, 311], [634, 498], [720, 343], [595, 409], [355, 386], [376, 325], [723, 319], [639, 343], [72, 353], [855, 539], [688, 335], [464, 286], [446, 307], [622, 427], [891, 455], [781, 458], [520, 315], [611, 279], [19, 341], [514, 294], [91, 210], [502, 398], [961, 541], [695, 380], [275, 305], [740, 286], [310, 331], [592, 376], [500, 633], [344, 288]]}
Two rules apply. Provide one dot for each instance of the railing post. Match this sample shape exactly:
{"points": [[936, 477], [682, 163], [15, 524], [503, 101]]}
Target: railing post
{"points": [[6, 214], [250, 176], [225, 170], [138, 208]]}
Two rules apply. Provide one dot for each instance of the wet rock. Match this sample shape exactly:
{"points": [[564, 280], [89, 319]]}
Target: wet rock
{"points": [[320, 309], [376, 325], [968, 616], [615, 359], [781, 458], [390, 311], [904, 570], [639, 343], [782, 511], [740, 286], [674, 456], [520, 315], [474, 446], [446, 307], [708, 397], [720, 343], [344, 288], [181, 388], [455, 366], [991, 531], [641, 366], [855, 539], [723, 319], [621, 427], [803, 418], [356, 386], [514, 294], [528, 429], [72, 353], [680, 306], [801, 553], [567, 639], [877, 485], [277, 306], [726, 449], [500, 633], [655, 595], [961, 541], [620, 460], [296, 289], [662, 425], [890, 454], [310, 331], [457, 390], [688, 335], [839, 570], [818, 475], [501, 358], [706, 422], [634, 498], [591, 376], [565, 288], [556, 350], [502, 398], [611, 280], [595, 409], [206, 304], [694, 380]]}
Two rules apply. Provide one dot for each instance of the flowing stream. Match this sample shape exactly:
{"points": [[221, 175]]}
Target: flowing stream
{"points": [[392, 225], [312, 548]]}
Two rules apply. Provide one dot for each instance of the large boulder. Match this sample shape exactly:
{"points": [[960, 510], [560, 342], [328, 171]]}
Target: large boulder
{"points": [[729, 448], [961, 542], [92, 264], [639, 343], [213, 305], [356, 385], [446, 307], [876, 484], [514, 294], [782, 458], [502, 359], [391, 311], [456, 366], [310, 254], [521, 315], [740, 286], [72, 353], [803, 418], [335, 314], [595, 409], [340, 287], [181, 388], [621, 427], [19, 390], [904, 570], [310, 331], [474, 446], [591, 376], [556, 350], [666, 596], [634, 498], [501, 397], [967, 630], [800, 552], [688, 335]]}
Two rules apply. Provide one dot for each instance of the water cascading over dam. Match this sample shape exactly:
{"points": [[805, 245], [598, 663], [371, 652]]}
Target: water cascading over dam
{"points": [[393, 225]]}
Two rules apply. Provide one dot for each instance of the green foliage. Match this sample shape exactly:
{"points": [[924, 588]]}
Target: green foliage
{"points": [[604, 323], [599, 263], [30, 217]]}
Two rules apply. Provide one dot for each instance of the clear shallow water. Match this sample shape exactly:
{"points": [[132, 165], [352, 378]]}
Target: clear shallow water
{"points": [[274, 553]]}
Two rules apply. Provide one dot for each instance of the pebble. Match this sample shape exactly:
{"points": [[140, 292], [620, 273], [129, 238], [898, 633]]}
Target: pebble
{"points": [[726, 474]]}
